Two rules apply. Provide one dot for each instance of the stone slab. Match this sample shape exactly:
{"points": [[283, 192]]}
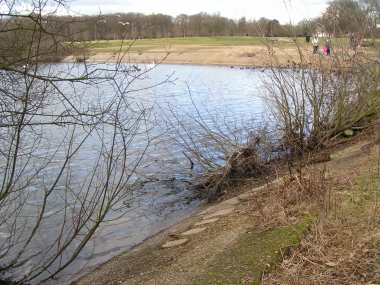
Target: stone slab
{"points": [[193, 231], [246, 196], [175, 243], [231, 202], [221, 206], [220, 213], [206, 222]]}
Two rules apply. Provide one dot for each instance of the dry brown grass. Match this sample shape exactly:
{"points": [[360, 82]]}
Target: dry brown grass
{"points": [[287, 202], [333, 253], [343, 247]]}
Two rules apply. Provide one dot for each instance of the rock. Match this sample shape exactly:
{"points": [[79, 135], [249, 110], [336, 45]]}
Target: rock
{"points": [[219, 213], [231, 202], [193, 231], [175, 243], [331, 264], [245, 197], [348, 133], [206, 222]]}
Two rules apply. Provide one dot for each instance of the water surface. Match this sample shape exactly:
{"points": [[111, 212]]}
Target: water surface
{"points": [[222, 97]]}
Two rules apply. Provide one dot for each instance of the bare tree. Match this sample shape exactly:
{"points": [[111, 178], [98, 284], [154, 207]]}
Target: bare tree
{"points": [[66, 161]]}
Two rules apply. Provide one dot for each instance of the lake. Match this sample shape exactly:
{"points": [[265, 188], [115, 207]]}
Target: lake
{"points": [[225, 99]]}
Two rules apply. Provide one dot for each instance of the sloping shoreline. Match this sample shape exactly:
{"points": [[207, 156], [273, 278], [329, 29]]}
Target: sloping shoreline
{"points": [[240, 240], [215, 227]]}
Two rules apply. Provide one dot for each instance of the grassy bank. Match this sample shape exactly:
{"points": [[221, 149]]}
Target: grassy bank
{"points": [[319, 226], [344, 246]]}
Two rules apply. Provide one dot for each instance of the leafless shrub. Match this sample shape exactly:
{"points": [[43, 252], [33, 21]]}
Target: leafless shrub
{"points": [[321, 98], [66, 161], [222, 151]]}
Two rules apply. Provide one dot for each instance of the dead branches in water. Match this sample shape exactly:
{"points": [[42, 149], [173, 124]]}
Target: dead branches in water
{"points": [[242, 164]]}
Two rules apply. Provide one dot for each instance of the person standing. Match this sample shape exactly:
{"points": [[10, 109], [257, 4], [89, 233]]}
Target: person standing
{"points": [[315, 43], [328, 47]]}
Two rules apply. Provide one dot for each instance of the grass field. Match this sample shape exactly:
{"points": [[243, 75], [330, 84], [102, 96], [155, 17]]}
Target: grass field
{"points": [[215, 41], [204, 41], [241, 51], [146, 44]]}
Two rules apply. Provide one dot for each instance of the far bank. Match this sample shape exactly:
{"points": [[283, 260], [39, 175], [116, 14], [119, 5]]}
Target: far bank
{"points": [[258, 52]]}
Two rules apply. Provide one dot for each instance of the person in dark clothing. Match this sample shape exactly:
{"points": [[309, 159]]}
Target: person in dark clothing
{"points": [[328, 47]]}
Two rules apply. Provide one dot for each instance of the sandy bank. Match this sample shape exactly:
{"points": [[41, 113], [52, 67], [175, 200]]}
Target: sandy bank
{"points": [[253, 56]]}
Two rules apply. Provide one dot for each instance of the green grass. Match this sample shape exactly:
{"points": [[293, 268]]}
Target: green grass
{"points": [[359, 198], [252, 255], [146, 44], [165, 43], [212, 41]]}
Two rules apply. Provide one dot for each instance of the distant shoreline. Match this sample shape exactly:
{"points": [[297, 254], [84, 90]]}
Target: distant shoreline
{"points": [[257, 56], [229, 56]]}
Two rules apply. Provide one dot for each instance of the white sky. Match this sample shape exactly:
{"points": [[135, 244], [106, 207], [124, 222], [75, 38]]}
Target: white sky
{"points": [[283, 10]]}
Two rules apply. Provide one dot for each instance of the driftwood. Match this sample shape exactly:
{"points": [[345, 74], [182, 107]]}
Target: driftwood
{"points": [[244, 163]]}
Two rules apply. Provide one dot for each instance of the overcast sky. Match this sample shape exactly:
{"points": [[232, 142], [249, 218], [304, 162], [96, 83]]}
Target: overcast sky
{"points": [[283, 10]]}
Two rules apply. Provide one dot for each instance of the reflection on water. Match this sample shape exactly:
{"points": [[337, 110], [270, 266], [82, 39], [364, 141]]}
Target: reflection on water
{"points": [[221, 96]]}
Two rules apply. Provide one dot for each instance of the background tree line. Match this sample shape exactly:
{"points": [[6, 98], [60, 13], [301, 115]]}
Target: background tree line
{"points": [[340, 18], [137, 25]]}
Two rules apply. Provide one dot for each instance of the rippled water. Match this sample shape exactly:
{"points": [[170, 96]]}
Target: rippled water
{"points": [[220, 95]]}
